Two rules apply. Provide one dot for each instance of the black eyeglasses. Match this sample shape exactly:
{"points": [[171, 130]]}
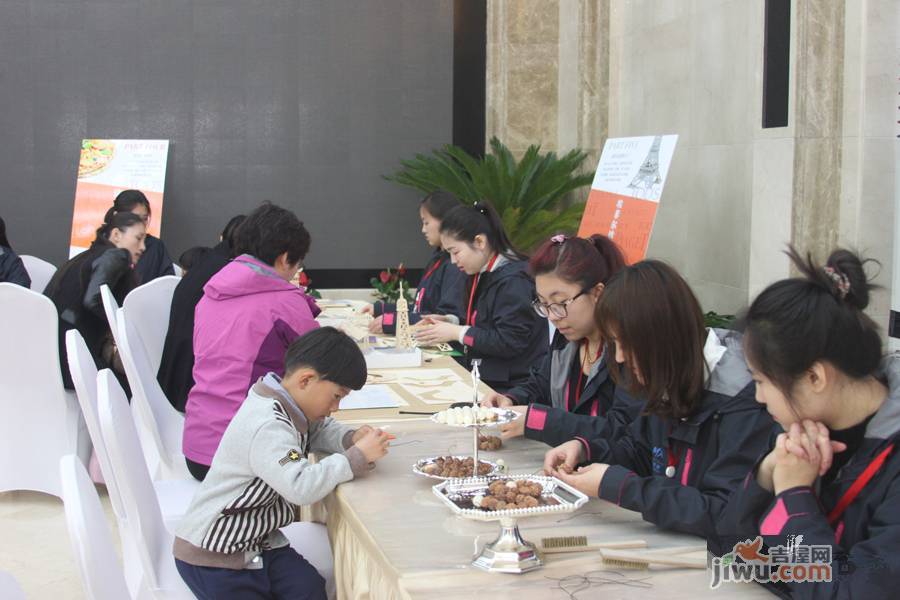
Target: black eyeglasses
{"points": [[560, 310]]}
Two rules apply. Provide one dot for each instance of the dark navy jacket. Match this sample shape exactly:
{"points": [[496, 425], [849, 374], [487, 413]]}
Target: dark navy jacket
{"points": [[12, 269], [865, 541], [439, 293], [713, 450], [601, 409], [506, 334], [176, 367], [154, 262]]}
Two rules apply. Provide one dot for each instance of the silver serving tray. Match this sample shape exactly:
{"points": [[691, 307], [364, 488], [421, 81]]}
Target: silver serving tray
{"points": [[504, 416], [417, 468], [454, 490]]}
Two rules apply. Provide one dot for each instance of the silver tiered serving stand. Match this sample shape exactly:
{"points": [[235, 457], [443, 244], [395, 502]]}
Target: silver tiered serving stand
{"points": [[509, 553]]}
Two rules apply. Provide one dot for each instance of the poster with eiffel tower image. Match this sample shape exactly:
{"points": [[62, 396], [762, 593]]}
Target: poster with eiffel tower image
{"points": [[626, 191]]}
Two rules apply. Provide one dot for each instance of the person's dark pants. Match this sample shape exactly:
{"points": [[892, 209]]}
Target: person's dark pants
{"points": [[197, 470], [285, 575]]}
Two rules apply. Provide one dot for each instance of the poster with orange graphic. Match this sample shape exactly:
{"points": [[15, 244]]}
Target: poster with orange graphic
{"points": [[107, 167], [626, 191]]}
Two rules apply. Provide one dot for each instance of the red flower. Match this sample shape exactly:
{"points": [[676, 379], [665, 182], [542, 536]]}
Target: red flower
{"points": [[384, 276], [401, 270], [303, 279]]}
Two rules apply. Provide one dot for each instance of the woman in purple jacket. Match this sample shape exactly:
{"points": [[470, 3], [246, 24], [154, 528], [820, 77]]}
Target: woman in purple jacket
{"points": [[248, 316]]}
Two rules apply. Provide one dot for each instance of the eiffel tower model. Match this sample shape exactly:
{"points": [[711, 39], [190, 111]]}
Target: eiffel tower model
{"points": [[404, 334]]}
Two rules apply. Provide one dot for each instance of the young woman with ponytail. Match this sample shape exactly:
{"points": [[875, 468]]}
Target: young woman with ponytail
{"points": [[75, 288], [833, 477], [155, 262], [573, 380], [500, 327]]}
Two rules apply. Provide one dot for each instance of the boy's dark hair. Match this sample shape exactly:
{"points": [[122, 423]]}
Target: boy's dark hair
{"points": [[651, 312], [270, 231], [815, 317], [331, 353]]}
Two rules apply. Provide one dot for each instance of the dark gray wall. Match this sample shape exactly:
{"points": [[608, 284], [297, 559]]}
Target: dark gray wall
{"points": [[305, 103]]}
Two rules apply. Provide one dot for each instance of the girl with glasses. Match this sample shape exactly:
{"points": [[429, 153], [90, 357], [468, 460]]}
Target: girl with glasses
{"points": [[700, 429], [500, 328], [569, 275]]}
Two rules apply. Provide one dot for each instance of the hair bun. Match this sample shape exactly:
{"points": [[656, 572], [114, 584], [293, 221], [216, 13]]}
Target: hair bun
{"points": [[847, 276], [843, 276]]}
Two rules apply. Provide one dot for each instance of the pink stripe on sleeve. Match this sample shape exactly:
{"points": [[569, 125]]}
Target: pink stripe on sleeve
{"points": [[775, 520], [537, 418], [687, 465]]}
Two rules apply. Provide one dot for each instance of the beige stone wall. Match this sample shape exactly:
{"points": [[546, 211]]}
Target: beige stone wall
{"points": [[690, 68], [568, 73], [868, 193], [547, 74]]}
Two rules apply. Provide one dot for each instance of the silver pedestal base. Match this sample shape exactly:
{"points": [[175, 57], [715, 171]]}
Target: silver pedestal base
{"points": [[509, 553]]}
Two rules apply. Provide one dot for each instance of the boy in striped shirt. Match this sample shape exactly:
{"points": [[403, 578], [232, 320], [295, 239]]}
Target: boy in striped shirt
{"points": [[229, 544]]}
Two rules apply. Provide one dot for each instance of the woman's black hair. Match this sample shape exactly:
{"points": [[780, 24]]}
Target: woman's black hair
{"points": [[439, 203], [466, 222], [120, 221], [189, 257], [4, 241], [270, 231], [229, 234], [818, 316], [128, 199], [330, 353]]}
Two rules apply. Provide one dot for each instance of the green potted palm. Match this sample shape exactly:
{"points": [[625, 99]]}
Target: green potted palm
{"points": [[530, 194]]}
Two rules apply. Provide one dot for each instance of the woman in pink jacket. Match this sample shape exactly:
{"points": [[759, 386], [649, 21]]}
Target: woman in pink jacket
{"points": [[249, 314]]}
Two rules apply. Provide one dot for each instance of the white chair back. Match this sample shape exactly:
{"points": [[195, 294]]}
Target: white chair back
{"points": [[41, 421], [110, 307], [101, 572], [147, 307], [84, 376], [153, 410], [10, 588], [135, 487], [40, 271]]}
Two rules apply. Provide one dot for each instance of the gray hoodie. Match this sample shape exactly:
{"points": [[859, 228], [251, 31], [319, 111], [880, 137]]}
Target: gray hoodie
{"points": [[259, 472]]}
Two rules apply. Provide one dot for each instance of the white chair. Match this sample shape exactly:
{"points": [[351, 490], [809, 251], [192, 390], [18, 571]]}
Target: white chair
{"points": [[143, 517], [41, 420], [173, 495], [10, 588], [98, 565], [147, 307], [40, 271], [155, 416], [110, 307], [309, 539]]}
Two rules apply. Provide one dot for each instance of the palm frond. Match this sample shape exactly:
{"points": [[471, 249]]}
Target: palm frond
{"points": [[528, 193]]}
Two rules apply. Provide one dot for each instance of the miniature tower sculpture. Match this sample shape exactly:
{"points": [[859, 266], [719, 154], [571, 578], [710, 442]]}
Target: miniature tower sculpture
{"points": [[404, 335]]}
